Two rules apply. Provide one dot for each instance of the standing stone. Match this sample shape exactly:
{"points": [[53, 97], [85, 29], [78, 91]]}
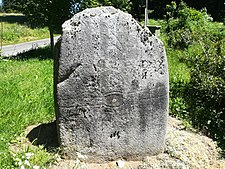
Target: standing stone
{"points": [[111, 87]]}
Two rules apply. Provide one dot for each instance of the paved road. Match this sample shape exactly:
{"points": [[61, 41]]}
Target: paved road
{"points": [[12, 50]]}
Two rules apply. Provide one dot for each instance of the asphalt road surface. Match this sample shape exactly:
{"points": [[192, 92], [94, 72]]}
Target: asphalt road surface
{"points": [[12, 50]]}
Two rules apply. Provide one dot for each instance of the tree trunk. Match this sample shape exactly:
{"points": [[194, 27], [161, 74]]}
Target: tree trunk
{"points": [[51, 41]]}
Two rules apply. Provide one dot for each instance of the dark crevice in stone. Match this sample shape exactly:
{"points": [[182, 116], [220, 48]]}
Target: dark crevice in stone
{"points": [[95, 67]]}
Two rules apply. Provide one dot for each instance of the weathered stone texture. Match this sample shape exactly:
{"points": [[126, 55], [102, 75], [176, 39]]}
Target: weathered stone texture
{"points": [[111, 87]]}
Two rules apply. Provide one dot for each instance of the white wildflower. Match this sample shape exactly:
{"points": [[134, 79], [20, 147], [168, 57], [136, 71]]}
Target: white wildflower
{"points": [[36, 167], [20, 163], [28, 155], [27, 162], [17, 159], [22, 167]]}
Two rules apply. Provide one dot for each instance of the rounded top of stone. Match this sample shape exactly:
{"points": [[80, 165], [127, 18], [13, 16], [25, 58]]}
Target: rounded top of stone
{"points": [[101, 10], [104, 11]]}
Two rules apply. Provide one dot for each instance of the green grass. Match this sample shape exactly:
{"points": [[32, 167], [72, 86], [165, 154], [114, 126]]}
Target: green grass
{"points": [[179, 77], [15, 30], [178, 71], [14, 33], [26, 97]]}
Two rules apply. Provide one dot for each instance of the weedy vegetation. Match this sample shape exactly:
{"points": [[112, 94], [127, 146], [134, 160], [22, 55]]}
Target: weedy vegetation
{"points": [[14, 29], [26, 87], [198, 95], [196, 57]]}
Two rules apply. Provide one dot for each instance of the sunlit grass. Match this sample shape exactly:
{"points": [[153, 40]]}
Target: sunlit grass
{"points": [[13, 29], [15, 33], [26, 97]]}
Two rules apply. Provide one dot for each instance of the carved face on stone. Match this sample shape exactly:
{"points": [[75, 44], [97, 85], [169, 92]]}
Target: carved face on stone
{"points": [[111, 86]]}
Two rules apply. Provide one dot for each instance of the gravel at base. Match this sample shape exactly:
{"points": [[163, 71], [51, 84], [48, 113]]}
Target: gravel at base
{"points": [[183, 150]]}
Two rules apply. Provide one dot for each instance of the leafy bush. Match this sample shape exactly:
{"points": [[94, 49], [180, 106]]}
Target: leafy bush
{"points": [[184, 25], [199, 43], [207, 87]]}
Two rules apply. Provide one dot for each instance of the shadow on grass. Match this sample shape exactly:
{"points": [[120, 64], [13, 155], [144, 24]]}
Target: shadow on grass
{"points": [[44, 134], [20, 19], [40, 53]]}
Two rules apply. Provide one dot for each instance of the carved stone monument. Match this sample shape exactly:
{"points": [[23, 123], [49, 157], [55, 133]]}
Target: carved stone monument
{"points": [[111, 87]]}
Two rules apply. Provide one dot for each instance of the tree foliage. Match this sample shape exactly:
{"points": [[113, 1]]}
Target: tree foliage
{"points": [[50, 13], [124, 5], [12, 5], [136, 7]]}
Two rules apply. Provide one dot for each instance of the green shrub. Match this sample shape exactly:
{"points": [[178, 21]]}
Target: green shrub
{"points": [[201, 45], [177, 104], [207, 88], [184, 25]]}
